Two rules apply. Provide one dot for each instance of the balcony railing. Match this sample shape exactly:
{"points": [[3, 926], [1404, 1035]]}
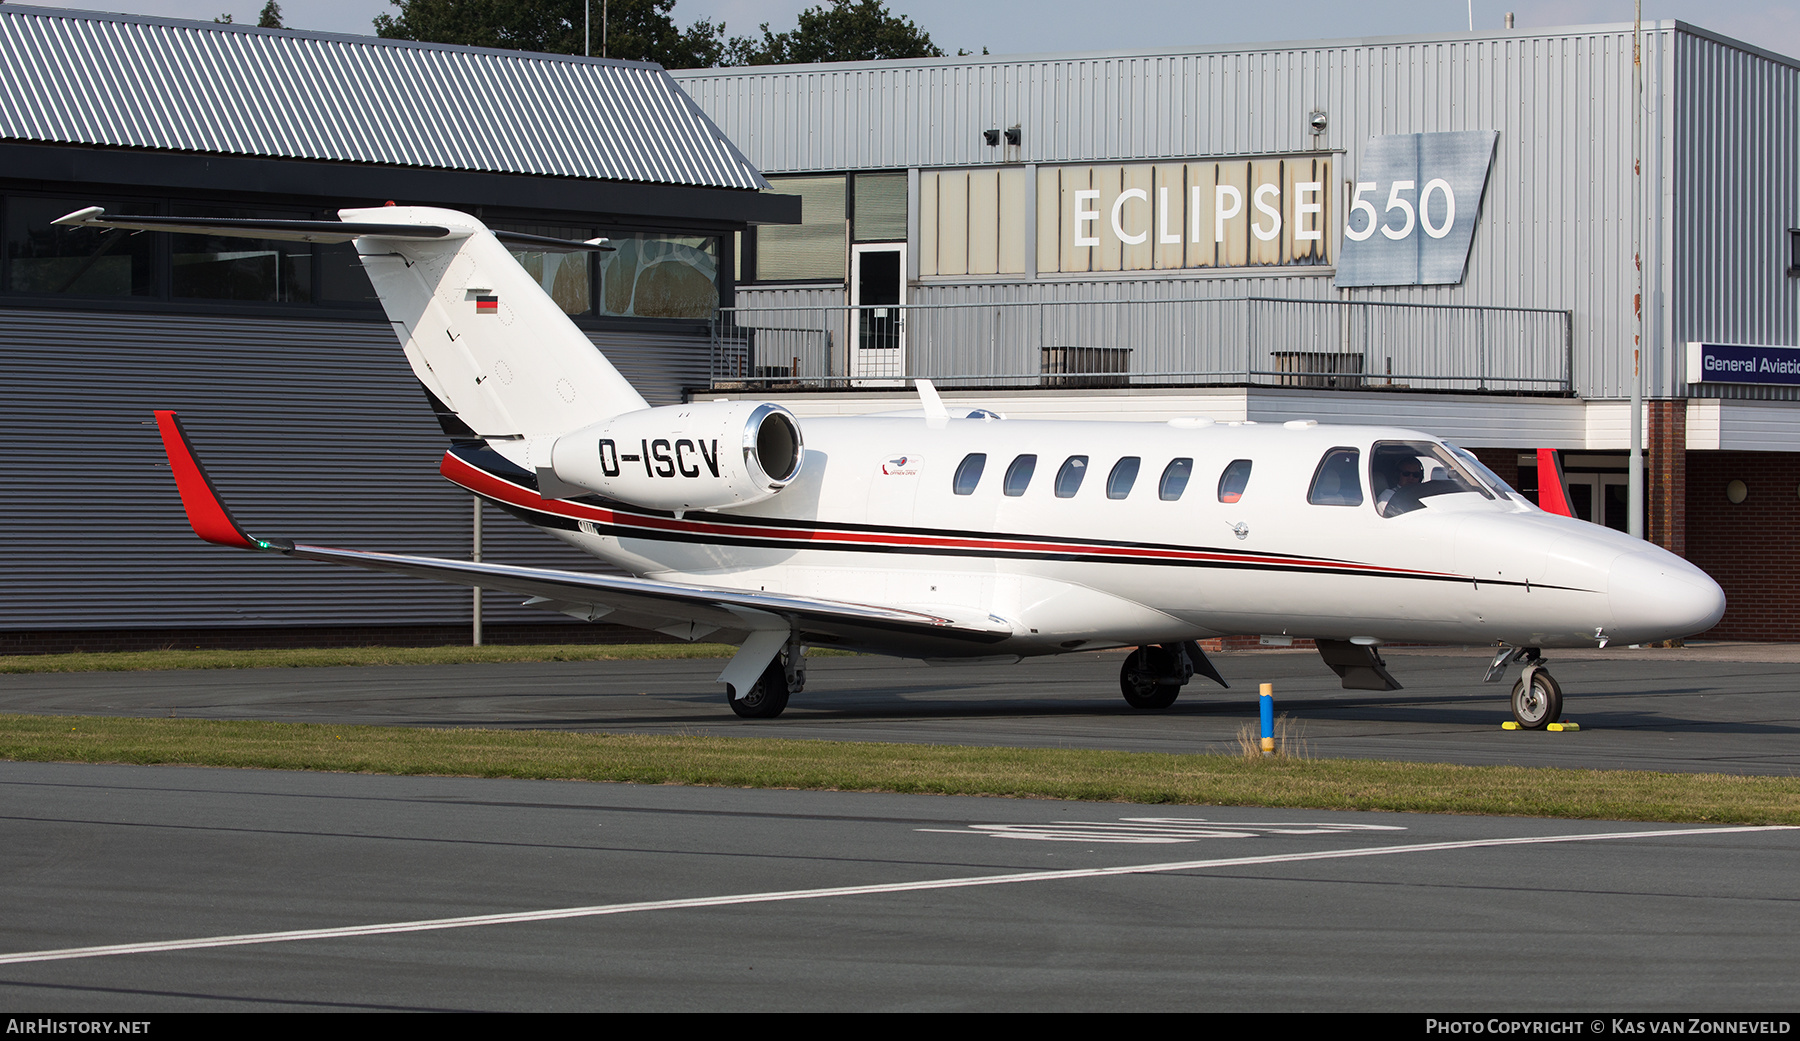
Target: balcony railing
{"points": [[1263, 341]]}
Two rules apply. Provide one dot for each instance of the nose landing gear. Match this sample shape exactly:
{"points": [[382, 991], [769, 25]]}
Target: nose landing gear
{"points": [[1536, 697]]}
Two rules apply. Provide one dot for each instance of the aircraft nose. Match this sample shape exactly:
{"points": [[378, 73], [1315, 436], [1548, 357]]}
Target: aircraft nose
{"points": [[1659, 596]]}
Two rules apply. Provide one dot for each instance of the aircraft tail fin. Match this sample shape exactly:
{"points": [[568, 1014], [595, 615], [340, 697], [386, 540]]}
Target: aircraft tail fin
{"points": [[480, 333]]}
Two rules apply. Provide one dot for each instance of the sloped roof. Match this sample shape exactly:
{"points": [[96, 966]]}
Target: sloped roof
{"points": [[87, 78]]}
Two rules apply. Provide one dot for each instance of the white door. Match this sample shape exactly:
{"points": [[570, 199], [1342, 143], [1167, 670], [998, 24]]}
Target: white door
{"points": [[877, 326]]}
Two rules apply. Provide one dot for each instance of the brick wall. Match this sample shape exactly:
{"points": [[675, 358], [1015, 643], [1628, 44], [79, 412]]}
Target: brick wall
{"points": [[1665, 475], [1752, 548]]}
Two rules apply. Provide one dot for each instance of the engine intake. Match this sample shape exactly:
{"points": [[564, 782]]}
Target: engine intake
{"points": [[685, 457]]}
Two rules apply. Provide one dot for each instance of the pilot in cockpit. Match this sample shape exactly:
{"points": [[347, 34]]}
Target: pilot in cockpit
{"points": [[1392, 472]]}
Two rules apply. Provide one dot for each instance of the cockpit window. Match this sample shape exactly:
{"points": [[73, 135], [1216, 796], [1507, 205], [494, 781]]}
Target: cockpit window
{"points": [[1174, 479], [968, 473], [1018, 475], [1405, 473], [1234, 480], [1336, 483], [1123, 476], [1068, 479], [1494, 483]]}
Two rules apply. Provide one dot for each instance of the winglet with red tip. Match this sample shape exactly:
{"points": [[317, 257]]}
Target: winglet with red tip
{"points": [[208, 515]]}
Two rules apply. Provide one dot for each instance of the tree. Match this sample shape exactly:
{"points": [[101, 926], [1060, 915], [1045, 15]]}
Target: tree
{"points": [[271, 16], [847, 30], [636, 30]]}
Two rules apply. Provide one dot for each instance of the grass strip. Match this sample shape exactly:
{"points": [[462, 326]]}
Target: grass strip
{"points": [[1139, 777], [316, 657]]}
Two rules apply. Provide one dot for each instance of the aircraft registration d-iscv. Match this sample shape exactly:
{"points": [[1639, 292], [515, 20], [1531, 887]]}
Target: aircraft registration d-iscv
{"points": [[956, 534]]}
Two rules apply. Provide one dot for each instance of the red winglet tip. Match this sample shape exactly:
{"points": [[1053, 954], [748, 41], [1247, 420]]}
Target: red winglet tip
{"points": [[1551, 497], [205, 512]]}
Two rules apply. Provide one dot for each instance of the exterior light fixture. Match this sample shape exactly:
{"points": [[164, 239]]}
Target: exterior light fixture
{"points": [[1317, 121], [1793, 252], [1736, 491], [992, 137], [1014, 135]]}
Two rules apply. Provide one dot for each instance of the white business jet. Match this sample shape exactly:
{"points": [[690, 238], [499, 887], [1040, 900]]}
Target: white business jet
{"points": [[957, 534]]}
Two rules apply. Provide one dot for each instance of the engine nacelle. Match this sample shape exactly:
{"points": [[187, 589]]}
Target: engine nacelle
{"points": [[685, 457]]}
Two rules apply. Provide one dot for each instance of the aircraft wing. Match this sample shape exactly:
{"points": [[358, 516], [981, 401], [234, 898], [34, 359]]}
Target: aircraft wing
{"points": [[688, 611]]}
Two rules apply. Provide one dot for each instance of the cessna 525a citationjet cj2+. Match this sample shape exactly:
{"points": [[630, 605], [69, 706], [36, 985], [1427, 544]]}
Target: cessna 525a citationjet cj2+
{"points": [[957, 534]]}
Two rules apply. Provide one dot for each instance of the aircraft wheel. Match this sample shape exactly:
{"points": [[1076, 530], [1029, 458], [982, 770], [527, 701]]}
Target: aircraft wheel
{"points": [[767, 697], [1141, 678], [1536, 700]]}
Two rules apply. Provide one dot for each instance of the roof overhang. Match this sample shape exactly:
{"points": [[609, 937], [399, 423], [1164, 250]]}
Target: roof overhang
{"points": [[368, 184]]}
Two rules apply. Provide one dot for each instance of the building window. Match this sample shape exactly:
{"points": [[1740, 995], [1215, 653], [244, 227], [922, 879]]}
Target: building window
{"points": [[648, 275], [660, 276], [567, 277], [815, 249], [44, 260], [214, 267], [835, 210], [878, 213]]}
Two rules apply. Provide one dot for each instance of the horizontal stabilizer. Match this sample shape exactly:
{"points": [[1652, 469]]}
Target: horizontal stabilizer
{"points": [[235, 227], [325, 231]]}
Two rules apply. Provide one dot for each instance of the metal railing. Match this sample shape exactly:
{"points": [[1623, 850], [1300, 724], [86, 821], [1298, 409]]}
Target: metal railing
{"points": [[1268, 341]]}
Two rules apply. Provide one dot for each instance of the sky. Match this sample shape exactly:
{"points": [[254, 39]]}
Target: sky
{"points": [[1074, 25]]}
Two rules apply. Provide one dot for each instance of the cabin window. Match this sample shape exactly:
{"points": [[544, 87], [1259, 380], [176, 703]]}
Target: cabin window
{"points": [[1336, 482], [968, 473], [1018, 475], [1123, 476], [1174, 479], [1068, 479], [1233, 481]]}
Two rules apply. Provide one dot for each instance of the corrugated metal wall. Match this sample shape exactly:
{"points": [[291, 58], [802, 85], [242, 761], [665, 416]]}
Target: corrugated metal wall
{"points": [[1730, 283], [1555, 230], [314, 430]]}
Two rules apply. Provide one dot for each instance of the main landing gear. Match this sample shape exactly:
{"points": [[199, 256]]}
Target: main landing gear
{"points": [[1536, 697], [785, 675], [1152, 676]]}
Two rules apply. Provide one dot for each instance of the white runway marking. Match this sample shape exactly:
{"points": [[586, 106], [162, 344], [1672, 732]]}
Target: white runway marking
{"points": [[518, 917], [1139, 830]]}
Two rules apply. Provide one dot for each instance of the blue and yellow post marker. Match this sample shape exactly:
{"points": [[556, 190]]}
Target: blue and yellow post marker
{"points": [[1268, 718]]}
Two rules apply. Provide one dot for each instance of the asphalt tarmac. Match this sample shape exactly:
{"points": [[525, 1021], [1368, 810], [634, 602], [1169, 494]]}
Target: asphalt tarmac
{"points": [[148, 889], [1711, 709]]}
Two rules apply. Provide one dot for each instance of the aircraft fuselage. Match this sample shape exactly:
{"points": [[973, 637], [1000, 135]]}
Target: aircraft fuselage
{"points": [[1082, 555]]}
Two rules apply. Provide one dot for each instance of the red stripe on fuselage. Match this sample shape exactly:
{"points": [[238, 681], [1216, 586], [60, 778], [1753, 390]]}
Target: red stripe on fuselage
{"points": [[481, 482]]}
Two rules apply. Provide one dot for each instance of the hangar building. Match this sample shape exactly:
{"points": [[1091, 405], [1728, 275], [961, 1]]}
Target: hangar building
{"points": [[1431, 231], [275, 353]]}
